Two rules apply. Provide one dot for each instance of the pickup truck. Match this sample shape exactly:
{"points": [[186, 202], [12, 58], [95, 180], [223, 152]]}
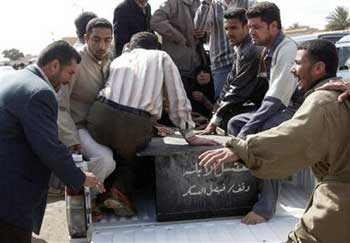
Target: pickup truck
{"points": [[144, 227]]}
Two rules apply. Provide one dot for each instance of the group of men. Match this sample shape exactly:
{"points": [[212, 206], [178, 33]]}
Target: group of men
{"points": [[107, 105]]}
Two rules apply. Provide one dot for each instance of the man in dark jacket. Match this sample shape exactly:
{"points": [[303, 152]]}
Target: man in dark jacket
{"points": [[243, 91], [29, 143], [130, 17]]}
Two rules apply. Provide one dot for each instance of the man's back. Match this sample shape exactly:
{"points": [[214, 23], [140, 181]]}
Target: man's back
{"points": [[22, 171]]}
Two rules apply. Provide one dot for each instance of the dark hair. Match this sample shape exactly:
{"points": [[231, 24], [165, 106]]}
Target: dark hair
{"points": [[268, 12], [145, 40], [203, 68], [236, 13], [59, 50], [81, 21], [322, 51], [98, 23]]}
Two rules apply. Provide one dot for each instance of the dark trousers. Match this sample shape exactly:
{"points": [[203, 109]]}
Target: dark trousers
{"points": [[12, 234], [124, 129]]}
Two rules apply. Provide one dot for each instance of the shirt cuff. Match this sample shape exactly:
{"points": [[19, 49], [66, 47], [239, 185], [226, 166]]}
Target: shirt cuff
{"points": [[216, 120], [239, 146], [187, 133]]}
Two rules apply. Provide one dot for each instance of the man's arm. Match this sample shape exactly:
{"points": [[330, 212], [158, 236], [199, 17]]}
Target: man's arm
{"points": [[179, 105], [204, 18], [160, 22], [68, 132], [120, 26], [39, 122], [282, 150]]}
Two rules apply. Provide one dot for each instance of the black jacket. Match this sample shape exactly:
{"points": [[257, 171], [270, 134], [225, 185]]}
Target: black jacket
{"points": [[129, 19], [242, 84]]}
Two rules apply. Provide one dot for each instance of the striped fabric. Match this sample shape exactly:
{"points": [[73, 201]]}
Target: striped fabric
{"points": [[210, 17], [141, 78]]}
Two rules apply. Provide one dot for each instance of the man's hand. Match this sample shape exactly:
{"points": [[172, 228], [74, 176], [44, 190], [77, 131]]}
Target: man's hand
{"points": [[93, 182], [75, 149], [198, 34], [217, 157], [210, 129], [338, 86], [198, 96], [200, 141]]}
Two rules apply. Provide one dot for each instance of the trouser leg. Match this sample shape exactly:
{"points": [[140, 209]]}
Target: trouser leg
{"points": [[236, 123], [100, 157], [12, 234], [219, 78], [266, 204]]}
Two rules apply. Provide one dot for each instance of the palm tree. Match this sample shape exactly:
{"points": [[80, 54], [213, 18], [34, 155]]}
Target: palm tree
{"points": [[339, 19]]}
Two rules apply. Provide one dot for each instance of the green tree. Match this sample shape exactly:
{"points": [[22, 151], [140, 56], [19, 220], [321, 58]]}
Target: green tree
{"points": [[339, 19], [297, 26], [13, 54]]}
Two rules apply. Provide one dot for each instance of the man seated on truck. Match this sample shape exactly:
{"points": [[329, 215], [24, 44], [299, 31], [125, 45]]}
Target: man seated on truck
{"points": [[316, 136], [132, 99]]}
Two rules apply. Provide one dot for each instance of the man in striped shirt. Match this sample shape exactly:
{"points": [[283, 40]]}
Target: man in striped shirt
{"points": [[132, 100], [210, 17]]}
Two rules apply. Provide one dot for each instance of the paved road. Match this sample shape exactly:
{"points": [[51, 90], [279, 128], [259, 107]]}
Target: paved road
{"points": [[54, 228]]}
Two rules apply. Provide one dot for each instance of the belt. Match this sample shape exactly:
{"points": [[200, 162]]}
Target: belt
{"points": [[124, 108]]}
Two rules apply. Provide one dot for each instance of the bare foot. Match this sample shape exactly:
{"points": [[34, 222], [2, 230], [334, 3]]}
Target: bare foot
{"points": [[253, 218]]}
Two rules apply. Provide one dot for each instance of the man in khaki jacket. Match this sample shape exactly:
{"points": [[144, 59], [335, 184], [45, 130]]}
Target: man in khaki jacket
{"points": [[317, 136], [76, 98]]}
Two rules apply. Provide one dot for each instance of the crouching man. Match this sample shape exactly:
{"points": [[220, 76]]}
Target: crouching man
{"points": [[132, 99]]}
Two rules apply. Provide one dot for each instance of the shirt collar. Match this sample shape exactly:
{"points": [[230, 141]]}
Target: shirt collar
{"points": [[278, 39], [319, 83], [34, 68]]}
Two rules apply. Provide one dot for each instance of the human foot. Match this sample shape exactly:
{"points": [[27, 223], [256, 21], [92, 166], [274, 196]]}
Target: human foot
{"points": [[253, 218]]}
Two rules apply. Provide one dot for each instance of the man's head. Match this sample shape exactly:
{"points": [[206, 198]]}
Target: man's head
{"points": [[142, 3], [235, 25], [315, 60], [144, 40], [59, 61], [98, 37], [264, 23], [80, 23]]}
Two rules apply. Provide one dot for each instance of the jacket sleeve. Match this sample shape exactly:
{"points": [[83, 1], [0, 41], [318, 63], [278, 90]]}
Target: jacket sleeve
{"points": [[121, 32], [68, 132], [204, 18], [288, 148], [160, 22], [39, 122]]}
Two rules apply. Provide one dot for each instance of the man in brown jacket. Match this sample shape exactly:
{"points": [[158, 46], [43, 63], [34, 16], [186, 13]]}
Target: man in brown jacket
{"points": [[174, 21], [317, 136]]}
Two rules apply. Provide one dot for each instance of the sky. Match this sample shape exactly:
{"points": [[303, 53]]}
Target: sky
{"points": [[30, 25]]}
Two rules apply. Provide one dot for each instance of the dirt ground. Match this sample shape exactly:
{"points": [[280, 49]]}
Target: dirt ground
{"points": [[54, 228]]}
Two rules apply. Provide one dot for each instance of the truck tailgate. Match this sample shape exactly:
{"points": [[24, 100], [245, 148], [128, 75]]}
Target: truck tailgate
{"points": [[291, 205]]}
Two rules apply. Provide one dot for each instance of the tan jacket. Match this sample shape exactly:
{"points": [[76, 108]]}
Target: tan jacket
{"points": [[75, 99], [317, 134], [174, 21]]}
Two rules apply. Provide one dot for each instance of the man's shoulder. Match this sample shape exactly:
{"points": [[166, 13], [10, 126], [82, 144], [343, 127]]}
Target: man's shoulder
{"points": [[287, 44], [323, 98]]}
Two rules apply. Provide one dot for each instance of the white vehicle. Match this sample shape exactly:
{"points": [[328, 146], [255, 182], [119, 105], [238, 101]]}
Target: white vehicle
{"points": [[146, 228], [343, 48]]}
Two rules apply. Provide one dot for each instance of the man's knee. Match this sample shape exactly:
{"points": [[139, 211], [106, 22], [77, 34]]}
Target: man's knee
{"points": [[109, 164], [233, 126]]}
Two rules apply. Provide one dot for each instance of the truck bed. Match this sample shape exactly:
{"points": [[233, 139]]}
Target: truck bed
{"points": [[145, 228]]}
